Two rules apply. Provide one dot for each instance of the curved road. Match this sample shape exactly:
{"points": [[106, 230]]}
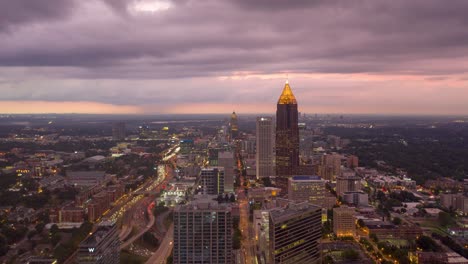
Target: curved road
{"points": [[147, 227], [164, 250]]}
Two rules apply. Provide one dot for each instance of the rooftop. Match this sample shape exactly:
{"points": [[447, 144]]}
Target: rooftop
{"points": [[86, 174], [203, 202], [292, 209], [212, 168], [306, 178], [100, 233]]}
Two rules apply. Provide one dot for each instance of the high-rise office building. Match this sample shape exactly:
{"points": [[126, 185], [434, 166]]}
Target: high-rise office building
{"points": [[213, 154], [248, 147], [306, 141], [212, 180], [344, 223], [233, 126], [307, 188], [227, 161], [347, 183], [294, 234], [330, 166], [203, 232], [118, 131], [356, 198], [287, 137], [186, 146], [265, 147], [457, 202], [102, 247], [352, 161]]}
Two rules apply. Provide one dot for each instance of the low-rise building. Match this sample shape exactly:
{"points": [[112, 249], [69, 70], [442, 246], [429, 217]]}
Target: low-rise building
{"points": [[384, 230], [440, 257], [458, 202], [261, 194], [71, 215], [103, 246], [307, 188], [86, 178], [344, 222]]}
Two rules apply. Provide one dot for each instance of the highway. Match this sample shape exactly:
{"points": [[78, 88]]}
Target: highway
{"points": [[161, 229], [130, 204], [164, 250], [144, 230]]}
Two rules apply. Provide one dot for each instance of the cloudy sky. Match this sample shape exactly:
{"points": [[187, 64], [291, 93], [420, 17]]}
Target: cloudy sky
{"points": [[215, 56]]}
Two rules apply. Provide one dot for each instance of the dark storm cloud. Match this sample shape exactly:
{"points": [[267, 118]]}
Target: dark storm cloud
{"points": [[82, 42], [282, 4], [17, 12], [260, 35]]}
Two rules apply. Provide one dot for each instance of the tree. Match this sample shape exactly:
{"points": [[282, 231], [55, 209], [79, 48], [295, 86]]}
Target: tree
{"points": [[14, 234], [381, 196], [170, 259], [236, 239], [396, 221], [61, 252], [235, 222], [3, 245], [220, 198], [39, 227], [149, 238], [267, 182], [328, 260], [374, 237], [31, 234], [360, 223], [55, 239], [54, 229], [232, 198], [445, 219], [350, 255], [427, 244]]}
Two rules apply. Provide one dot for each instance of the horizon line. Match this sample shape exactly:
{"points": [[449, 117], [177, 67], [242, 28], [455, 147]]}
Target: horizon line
{"points": [[240, 113]]}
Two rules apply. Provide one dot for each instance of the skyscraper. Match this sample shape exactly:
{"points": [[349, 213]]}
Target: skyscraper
{"points": [[227, 161], [347, 183], [118, 131], [233, 126], [330, 166], [287, 137], [212, 180], [265, 148], [203, 232], [294, 234], [103, 246]]}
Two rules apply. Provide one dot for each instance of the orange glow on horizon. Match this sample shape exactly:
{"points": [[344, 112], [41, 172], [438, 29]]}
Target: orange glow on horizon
{"points": [[40, 107]]}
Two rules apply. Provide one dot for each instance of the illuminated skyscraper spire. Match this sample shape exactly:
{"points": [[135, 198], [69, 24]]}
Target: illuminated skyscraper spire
{"points": [[234, 129], [287, 96], [287, 137]]}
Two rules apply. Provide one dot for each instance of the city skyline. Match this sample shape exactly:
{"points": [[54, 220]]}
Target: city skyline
{"points": [[182, 56]]}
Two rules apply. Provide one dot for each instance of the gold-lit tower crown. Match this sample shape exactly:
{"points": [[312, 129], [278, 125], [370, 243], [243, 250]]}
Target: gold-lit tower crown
{"points": [[287, 96]]}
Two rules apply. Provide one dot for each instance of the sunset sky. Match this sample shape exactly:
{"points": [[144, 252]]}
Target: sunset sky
{"points": [[215, 56]]}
